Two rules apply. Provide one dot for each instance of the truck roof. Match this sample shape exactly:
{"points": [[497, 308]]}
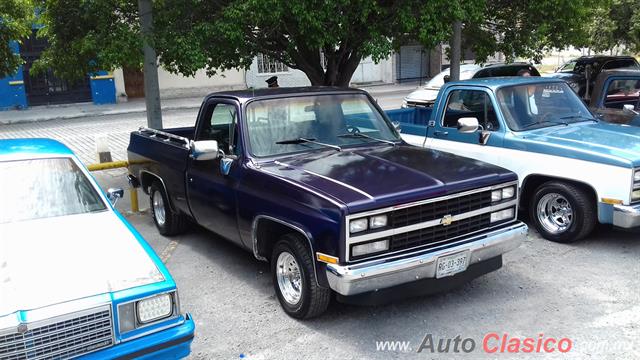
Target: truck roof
{"points": [[19, 148], [244, 95], [497, 82]]}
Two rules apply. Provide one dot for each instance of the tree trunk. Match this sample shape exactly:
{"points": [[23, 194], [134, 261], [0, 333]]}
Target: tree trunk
{"points": [[456, 50], [338, 72]]}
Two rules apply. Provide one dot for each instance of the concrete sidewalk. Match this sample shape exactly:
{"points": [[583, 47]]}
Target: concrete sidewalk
{"points": [[136, 106]]}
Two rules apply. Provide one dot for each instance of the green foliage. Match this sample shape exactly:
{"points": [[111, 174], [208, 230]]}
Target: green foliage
{"points": [[528, 28], [90, 35], [16, 17], [615, 23], [193, 34]]}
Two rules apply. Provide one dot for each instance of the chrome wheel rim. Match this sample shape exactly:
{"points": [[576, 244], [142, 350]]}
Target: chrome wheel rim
{"points": [[289, 278], [555, 213], [158, 208]]}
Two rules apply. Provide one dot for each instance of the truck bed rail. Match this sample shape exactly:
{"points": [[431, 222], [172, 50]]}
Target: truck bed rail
{"points": [[165, 136]]}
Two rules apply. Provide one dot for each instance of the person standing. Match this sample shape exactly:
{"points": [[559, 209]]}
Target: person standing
{"points": [[272, 82]]}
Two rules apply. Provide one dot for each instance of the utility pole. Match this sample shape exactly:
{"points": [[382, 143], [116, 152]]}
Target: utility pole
{"points": [[456, 50], [151, 87]]}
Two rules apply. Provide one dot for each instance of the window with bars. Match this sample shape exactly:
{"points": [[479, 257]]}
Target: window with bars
{"points": [[267, 65]]}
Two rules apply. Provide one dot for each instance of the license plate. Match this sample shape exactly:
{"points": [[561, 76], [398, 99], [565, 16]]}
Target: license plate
{"points": [[452, 264]]}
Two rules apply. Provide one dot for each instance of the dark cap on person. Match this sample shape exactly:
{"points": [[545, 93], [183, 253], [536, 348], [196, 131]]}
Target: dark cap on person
{"points": [[272, 81]]}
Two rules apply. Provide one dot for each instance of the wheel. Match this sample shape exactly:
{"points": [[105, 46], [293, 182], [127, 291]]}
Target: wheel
{"points": [[562, 212], [294, 279], [167, 221]]}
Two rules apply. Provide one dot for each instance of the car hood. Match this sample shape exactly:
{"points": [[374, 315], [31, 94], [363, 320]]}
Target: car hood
{"points": [[612, 144], [424, 94], [372, 177], [54, 260]]}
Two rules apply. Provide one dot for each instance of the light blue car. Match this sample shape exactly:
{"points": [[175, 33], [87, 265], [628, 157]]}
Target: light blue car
{"points": [[574, 170], [76, 280]]}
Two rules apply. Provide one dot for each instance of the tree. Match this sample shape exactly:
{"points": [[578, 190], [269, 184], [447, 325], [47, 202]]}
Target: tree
{"points": [[86, 36], [614, 23], [528, 28], [325, 39], [16, 19]]}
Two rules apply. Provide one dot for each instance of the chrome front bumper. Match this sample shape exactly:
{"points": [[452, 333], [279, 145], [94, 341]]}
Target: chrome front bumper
{"points": [[626, 216], [383, 273]]}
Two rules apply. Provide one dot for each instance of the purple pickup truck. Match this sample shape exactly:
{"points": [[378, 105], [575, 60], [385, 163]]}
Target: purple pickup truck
{"points": [[319, 183]]}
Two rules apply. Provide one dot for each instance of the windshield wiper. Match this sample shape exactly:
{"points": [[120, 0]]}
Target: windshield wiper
{"points": [[542, 122], [308, 140], [579, 118], [365, 136]]}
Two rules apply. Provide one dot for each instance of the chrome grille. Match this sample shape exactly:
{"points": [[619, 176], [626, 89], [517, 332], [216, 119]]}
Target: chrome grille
{"points": [[436, 210], [438, 235], [60, 340]]}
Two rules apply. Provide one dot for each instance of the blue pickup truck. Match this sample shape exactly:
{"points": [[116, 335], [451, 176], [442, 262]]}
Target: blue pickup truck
{"points": [[319, 183], [574, 170]]}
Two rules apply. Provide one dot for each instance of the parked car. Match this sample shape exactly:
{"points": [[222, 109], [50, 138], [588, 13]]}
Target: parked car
{"points": [[616, 95], [574, 170], [75, 278], [427, 95], [319, 183], [582, 72]]}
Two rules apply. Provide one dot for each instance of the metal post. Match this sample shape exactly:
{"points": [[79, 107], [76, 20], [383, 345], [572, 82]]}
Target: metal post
{"points": [[151, 87], [456, 50]]}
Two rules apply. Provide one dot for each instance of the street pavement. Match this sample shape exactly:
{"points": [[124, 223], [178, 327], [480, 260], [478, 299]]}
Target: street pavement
{"points": [[78, 125]]}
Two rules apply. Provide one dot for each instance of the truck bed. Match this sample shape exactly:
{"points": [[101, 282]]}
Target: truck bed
{"points": [[413, 121]]}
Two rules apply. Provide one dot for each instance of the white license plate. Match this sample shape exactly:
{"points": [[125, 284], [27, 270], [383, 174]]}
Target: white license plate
{"points": [[452, 264]]}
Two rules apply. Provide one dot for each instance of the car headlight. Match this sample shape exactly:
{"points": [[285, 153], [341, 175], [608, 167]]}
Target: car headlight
{"points": [[358, 225], [370, 248], [134, 314], [154, 308], [404, 103], [502, 215], [635, 195], [506, 193], [636, 177], [377, 221]]}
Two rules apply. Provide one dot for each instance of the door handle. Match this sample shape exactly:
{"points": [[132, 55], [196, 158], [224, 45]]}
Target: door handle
{"points": [[441, 133]]}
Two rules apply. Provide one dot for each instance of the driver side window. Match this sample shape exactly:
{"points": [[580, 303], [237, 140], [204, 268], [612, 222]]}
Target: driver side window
{"points": [[470, 103], [218, 123]]}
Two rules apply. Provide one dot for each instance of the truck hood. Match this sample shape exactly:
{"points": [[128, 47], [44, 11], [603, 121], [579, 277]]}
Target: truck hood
{"points": [[427, 94], [611, 144], [54, 260], [372, 177]]}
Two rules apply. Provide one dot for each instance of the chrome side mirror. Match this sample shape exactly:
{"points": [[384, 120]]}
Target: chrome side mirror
{"points": [[630, 109], [204, 150], [396, 126], [468, 125], [114, 194]]}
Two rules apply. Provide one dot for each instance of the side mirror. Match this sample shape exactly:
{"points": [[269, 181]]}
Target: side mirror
{"points": [[629, 109], [468, 125], [446, 78], [204, 150], [396, 126], [114, 194]]}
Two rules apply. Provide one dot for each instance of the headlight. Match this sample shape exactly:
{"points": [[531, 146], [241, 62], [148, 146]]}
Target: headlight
{"points": [[503, 194], [369, 248], [377, 221], [502, 215], [404, 103], [358, 225], [154, 308], [135, 314], [636, 177], [635, 195]]}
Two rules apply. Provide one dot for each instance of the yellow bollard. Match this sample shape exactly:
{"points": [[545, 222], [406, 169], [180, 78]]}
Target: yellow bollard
{"points": [[133, 192]]}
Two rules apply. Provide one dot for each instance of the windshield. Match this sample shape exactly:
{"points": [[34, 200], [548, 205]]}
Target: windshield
{"points": [[294, 124], [41, 188], [533, 106]]}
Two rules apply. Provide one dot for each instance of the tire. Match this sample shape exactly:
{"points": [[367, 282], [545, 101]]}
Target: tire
{"points": [[167, 221], [562, 212], [291, 253]]}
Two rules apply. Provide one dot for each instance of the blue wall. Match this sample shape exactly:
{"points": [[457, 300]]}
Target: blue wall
{"points": [[12, 92]]}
